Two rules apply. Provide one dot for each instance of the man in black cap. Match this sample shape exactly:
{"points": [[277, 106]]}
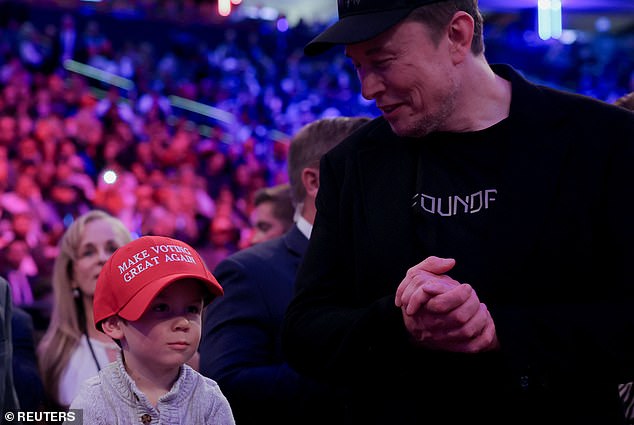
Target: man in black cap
{"points": [[470, 256]]}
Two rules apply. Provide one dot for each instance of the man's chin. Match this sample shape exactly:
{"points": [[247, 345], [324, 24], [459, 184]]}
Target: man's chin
{"points": [[406, 131]]}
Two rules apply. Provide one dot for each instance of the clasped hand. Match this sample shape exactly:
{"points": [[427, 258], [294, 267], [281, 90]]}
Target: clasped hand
{"points": [[441, 313]]}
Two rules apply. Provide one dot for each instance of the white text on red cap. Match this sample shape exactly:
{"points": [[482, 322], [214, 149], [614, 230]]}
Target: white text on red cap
{"points": [[143, 260]]}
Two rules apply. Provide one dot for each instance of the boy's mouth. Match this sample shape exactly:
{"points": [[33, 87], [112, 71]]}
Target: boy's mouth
{"points": [[179, 345]]}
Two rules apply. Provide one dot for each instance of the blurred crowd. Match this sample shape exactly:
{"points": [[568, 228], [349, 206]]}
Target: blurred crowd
{"points": [[70, 142], [596, 59], [203, 11]]}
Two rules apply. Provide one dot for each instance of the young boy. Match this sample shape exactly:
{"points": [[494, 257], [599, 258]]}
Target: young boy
{"points": [[149, 298]]}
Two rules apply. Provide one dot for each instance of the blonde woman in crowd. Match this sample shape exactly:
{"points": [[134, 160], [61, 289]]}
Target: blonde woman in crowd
{"points": [[72, 350]]}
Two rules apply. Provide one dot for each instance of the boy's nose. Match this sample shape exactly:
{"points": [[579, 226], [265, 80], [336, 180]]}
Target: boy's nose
{"points": [[181, 323]]}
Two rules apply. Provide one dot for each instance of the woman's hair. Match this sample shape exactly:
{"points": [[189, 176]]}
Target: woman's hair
{"points": [[68, 320]]}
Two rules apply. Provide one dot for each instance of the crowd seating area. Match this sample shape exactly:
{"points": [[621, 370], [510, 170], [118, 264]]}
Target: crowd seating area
{"points": [[145, 152]]}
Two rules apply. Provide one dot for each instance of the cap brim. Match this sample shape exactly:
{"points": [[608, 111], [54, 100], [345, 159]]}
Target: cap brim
{"points": [[355, 29], [137, 305]]}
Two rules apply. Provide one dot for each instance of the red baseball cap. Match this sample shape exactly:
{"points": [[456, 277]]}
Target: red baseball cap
{"points": [[139, 270]]}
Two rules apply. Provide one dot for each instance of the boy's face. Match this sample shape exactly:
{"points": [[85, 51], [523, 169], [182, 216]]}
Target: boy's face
{"points": [[168, 333]]}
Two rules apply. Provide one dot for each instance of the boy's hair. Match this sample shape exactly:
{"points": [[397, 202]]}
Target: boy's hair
{"points": [[311, 142], [139, 270], [280, 198]]}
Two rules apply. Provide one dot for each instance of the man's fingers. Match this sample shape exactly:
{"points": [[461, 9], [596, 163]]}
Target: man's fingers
{"points": [[436, 265], [406, 289], [477, 335], [416, 300], [439, 285], [448, 299]]}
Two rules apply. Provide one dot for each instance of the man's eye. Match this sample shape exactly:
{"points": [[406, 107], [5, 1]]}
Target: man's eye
{"points": [[381, 63], [264, 227]]}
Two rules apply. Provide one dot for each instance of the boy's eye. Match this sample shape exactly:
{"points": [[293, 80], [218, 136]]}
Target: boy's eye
{"points": [[194, 309], [160, 308]]}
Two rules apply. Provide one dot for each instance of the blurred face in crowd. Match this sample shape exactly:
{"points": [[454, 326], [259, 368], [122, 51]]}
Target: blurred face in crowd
{"points": [[265, 224], [222, 231], [25, 187], [25, 125], [28, 150], [64, 194], [16, 252], [4, 167], [97, 244], [410, 78], [7, 130], [22, 223], [217, 163]]}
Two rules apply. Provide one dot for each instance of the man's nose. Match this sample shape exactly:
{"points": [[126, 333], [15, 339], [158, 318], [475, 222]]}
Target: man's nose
{"points": [[371, 85]]}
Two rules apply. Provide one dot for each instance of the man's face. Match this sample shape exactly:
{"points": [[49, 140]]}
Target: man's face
{"points": [[411, 79], [265, 225]]}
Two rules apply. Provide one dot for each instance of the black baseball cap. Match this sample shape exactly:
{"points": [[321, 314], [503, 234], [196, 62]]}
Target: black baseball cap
{"points": [[361, 20]]}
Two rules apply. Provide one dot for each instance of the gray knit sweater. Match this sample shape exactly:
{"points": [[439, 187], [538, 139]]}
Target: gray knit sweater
{"points": [[112, 398]]}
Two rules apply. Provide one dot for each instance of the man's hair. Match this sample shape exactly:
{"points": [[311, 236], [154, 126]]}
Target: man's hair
{"points": [[626, 101], [311, 142], [438, 15], [280, 198]]}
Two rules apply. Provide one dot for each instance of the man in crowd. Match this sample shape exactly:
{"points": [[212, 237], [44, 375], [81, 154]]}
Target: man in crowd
{"points": [[272, 214], [241, 347]]}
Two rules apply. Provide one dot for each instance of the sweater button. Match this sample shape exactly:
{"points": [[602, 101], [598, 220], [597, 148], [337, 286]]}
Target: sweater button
{"points": [[146, 419]]}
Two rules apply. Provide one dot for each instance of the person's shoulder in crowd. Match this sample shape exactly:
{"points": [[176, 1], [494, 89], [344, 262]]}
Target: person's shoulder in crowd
{"points": [[264, 252], [375, 130], [28, 383]]}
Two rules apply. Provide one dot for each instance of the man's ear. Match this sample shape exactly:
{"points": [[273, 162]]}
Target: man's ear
{"points": [[461, 30], [112, 327], [310, 180]]}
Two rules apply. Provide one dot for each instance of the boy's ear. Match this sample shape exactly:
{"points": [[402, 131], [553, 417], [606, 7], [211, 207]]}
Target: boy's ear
{"points": [[112, 327]]}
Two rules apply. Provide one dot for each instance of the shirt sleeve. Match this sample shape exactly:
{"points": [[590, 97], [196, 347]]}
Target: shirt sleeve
{"points": [[219, 412]]}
